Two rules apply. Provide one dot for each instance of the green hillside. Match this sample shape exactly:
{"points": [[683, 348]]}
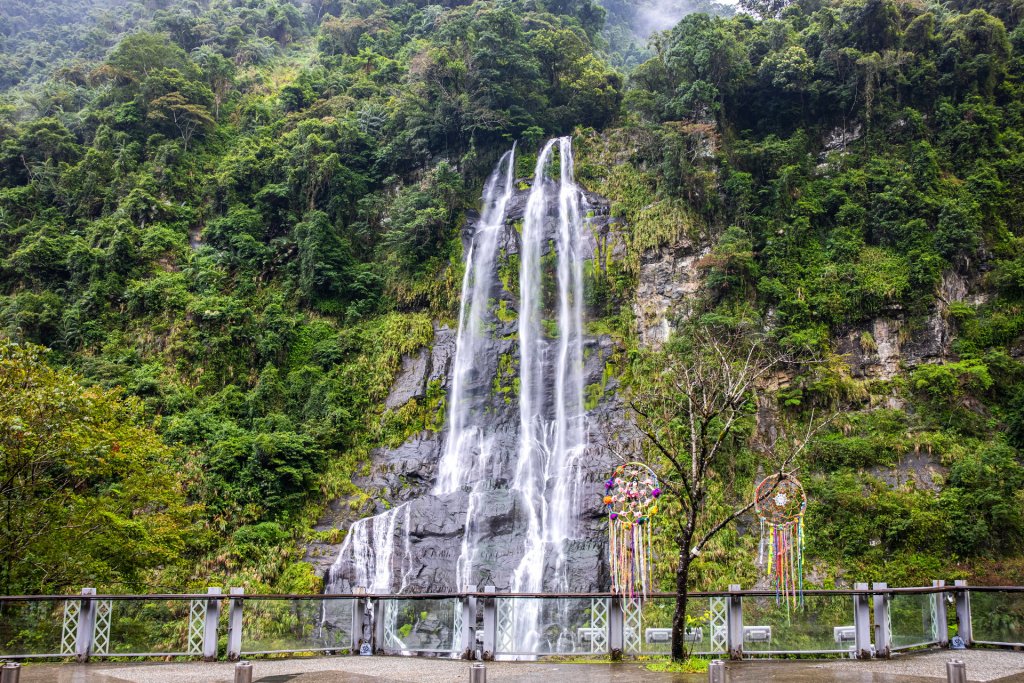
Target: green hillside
{"points": [[237, 216]]}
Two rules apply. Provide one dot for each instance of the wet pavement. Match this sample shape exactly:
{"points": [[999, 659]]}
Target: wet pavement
{"points": [[927, 667]]}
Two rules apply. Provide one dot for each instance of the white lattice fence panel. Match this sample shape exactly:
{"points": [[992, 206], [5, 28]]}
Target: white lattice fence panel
{"points": [[719, 625], [632, 621], [101, 635], [391, 639], [599, 625], [196, 626], [69, 633], [888, 620], [505, 636], [457, 626]]}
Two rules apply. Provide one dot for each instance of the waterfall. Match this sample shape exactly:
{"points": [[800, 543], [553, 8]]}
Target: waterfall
{"points": [[570, 440], [467, 442], [525, 472], [372, 560], [468, 448], [466, 455], [551, 439]]}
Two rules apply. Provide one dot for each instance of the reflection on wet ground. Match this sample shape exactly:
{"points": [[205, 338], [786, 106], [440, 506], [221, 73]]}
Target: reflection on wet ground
{"points": [[927, 667]]}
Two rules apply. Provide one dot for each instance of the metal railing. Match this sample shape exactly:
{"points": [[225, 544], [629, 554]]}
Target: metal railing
{"points": [[861, 622]]}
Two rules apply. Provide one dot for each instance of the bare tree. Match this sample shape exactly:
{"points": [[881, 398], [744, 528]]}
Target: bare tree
{"points": [[698, 406]]}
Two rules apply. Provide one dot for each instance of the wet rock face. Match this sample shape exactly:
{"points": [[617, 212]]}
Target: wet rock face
{"points": [[917, 469], [411, 381], [435, 525], [423, 367], [669, 282], [881, 348]]}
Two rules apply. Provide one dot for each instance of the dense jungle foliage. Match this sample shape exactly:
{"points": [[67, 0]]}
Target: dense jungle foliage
{"points": [[231, 218]]}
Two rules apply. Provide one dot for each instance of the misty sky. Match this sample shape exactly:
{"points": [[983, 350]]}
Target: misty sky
{"points": [[661, 15]]}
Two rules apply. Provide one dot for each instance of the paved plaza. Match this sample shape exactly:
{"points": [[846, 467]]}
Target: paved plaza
{"points": [[982, 665]]}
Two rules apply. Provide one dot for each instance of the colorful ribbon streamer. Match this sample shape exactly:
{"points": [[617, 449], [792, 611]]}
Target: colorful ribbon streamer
{"points": [[631, 496], [780, 503]]}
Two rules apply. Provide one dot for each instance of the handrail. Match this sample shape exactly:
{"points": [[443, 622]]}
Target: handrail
{"points": [[750, 593], [79, 596], [85, 622]]}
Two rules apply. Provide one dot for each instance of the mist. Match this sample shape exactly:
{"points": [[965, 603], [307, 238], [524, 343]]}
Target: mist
{"points": [[652, 16]]}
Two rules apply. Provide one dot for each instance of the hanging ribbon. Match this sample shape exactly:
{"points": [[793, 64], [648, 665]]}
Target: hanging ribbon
{"points": [[631, 496], [780, 503]]}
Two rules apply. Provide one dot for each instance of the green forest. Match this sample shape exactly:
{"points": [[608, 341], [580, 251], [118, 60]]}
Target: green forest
{"points": [[223, 223]]}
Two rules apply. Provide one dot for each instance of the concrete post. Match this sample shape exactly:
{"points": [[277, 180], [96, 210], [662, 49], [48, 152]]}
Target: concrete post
{"points": [[235, 624], [490, 624], [940, 626], [86, 625], [477, 673], [377, 607], [211, 625], [862, 622], [956, 671], [734, 624], [616, 627], [716, 671], [883, 638], [243, 672], [10, 673], [468, 623], [963, 613]]}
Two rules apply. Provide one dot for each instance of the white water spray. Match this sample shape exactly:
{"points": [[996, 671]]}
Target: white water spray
{"points": [[372, 560], [552, 435], [467, 443]]}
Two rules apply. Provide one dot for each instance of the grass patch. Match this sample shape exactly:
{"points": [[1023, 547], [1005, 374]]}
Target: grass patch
{"points": [[693, 665], [579, 659]]}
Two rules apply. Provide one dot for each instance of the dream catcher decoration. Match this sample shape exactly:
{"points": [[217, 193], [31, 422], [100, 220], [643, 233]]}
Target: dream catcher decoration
{"points": [[780, 502], [631, 499]]}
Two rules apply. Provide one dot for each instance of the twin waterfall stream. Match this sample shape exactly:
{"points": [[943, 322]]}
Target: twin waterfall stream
{"points": [[542, 474]]}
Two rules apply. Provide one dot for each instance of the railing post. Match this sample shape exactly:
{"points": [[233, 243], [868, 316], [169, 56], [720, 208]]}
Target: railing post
{"points": [[862, 622], [941, 622], [963, 613], [211, 624], [883, 637], [490, 624], [468, 623], [734, 623], [86, 625], [235, 624], [360, 619], [377, 606], [616, 626]]}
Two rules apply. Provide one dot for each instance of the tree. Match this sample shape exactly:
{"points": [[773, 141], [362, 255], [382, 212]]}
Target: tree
{"points": [[766, 9], [187, 117], [705, 64], [83, 480], [219, 73], [141, 55], [421, 216], [703, 395]]}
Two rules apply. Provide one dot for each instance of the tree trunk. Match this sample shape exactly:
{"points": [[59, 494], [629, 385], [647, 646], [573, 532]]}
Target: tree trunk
{"points": [[679, 618]]}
